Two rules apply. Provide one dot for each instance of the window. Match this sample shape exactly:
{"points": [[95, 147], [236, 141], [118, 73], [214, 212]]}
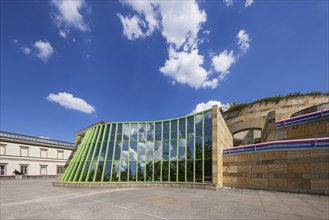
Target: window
{"points": [[2, 149], [60, 154], [43, 169], [59, 170], [24, 169], [2, 170], [43, 153], [24, 151]]}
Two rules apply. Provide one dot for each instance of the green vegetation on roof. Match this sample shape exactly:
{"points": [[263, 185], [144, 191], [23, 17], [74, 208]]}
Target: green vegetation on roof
{"points": [[273, 99]]}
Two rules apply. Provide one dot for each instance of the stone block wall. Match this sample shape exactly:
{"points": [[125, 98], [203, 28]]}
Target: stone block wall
{"points": [[221, 138], [254, 116], [305, 171]]}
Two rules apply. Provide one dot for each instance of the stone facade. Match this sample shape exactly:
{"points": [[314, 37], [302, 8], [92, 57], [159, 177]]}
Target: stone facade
{"points": [[254, 116], [305, 171], [221, 138]]}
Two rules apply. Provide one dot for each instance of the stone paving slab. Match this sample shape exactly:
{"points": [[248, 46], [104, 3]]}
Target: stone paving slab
{"points": [[39, 199]]}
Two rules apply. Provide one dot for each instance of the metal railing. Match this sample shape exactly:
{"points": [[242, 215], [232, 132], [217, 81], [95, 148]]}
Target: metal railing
{"points": [[285, 144], [301, 118]]}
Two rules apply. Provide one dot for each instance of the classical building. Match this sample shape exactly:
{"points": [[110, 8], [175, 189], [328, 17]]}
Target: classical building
{"points": [[33, 156]]}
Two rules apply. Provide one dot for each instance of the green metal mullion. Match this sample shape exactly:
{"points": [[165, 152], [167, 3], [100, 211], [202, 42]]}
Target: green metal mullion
{"points": [[161, 154], [121, 141], [177, 148], [107, 149], [145, 151], [100, 152], [89, 150], [94, 152], [194, 128], [202, 147], [186, 150], [128, 162], [68, 173], [81, 153], [153, 151], [114, 149], [169, 144]]}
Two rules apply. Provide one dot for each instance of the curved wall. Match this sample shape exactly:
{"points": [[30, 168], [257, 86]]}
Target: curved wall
{"points": [[254, 116], [176, 150]]}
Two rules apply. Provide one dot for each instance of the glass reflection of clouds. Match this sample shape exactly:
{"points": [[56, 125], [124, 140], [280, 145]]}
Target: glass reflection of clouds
{"points": [[175, 150]]}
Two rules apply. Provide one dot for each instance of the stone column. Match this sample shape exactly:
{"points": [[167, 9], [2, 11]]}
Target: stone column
{"points": [[221, 138]]}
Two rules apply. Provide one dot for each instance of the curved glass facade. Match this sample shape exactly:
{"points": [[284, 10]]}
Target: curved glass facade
{"points": [[175, 150]]}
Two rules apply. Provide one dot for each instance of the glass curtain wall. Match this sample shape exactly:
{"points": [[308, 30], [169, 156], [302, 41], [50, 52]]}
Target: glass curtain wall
{"points": [[175, 150]]}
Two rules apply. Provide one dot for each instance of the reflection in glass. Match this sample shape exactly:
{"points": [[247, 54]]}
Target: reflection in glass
{"points": [[198, 125], [207, 171], [107, 172], [149, 171], [149, 150], [189, 171], [132, 171], [115, 171], [181, 171], [117, 151], [158, 131], [150, 131], [133, 132], [173, 150], [124, 171], [182, 128], [142, 132], [133, 151], [165, 170], [181, 149], [174, 129], [113, 130], [198, 148], [207, 123], [157, 170], [103, 152], [141, 171], [157, 151], [110, 151], [119, 132], [141, 150], [190, 127], [198, 171], [166, 130], [190, 149], [107, 131], [99, 171], [126, 131], [92, 171], [173, 171], [96, 152], [165, 151]]}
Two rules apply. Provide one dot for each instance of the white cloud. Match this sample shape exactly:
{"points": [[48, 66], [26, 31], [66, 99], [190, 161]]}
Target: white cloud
{"points": [[131, 27], [62, 34], [43, 137], [68, 101], [204, 106], [43, 50], [15, 41], [70, 14], [244, 40], [228, 3], [248, 3], [223, 61], [26, 50]]}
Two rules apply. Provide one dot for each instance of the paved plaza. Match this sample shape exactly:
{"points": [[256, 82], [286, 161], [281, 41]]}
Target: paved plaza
{"points": [[38, 199]]}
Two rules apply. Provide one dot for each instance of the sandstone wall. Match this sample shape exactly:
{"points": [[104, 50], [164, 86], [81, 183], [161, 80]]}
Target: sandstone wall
{"points": [[254, 116], [303, 171]]}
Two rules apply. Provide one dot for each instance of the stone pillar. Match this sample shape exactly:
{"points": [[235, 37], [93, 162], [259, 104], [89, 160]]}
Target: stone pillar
{"points": [[221, 138]]}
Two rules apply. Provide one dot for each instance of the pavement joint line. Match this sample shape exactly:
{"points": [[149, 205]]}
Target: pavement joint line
{"points": [[125, 208]]}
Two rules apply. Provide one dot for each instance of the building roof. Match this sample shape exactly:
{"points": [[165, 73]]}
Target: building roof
{"points": [[21, 137]]}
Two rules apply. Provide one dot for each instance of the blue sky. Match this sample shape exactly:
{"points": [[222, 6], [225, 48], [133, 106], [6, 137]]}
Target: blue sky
{"points": [[68, 64]]}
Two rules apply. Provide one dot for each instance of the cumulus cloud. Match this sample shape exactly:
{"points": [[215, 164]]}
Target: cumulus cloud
{"points": [[248, 3], [180, 24], [68, 101], [15, 41], [26, 50], [223, 61], [205, 106], [244, 40], [43, 50], [228, 3], [70, 14], [131, 27], [62, 34]]}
